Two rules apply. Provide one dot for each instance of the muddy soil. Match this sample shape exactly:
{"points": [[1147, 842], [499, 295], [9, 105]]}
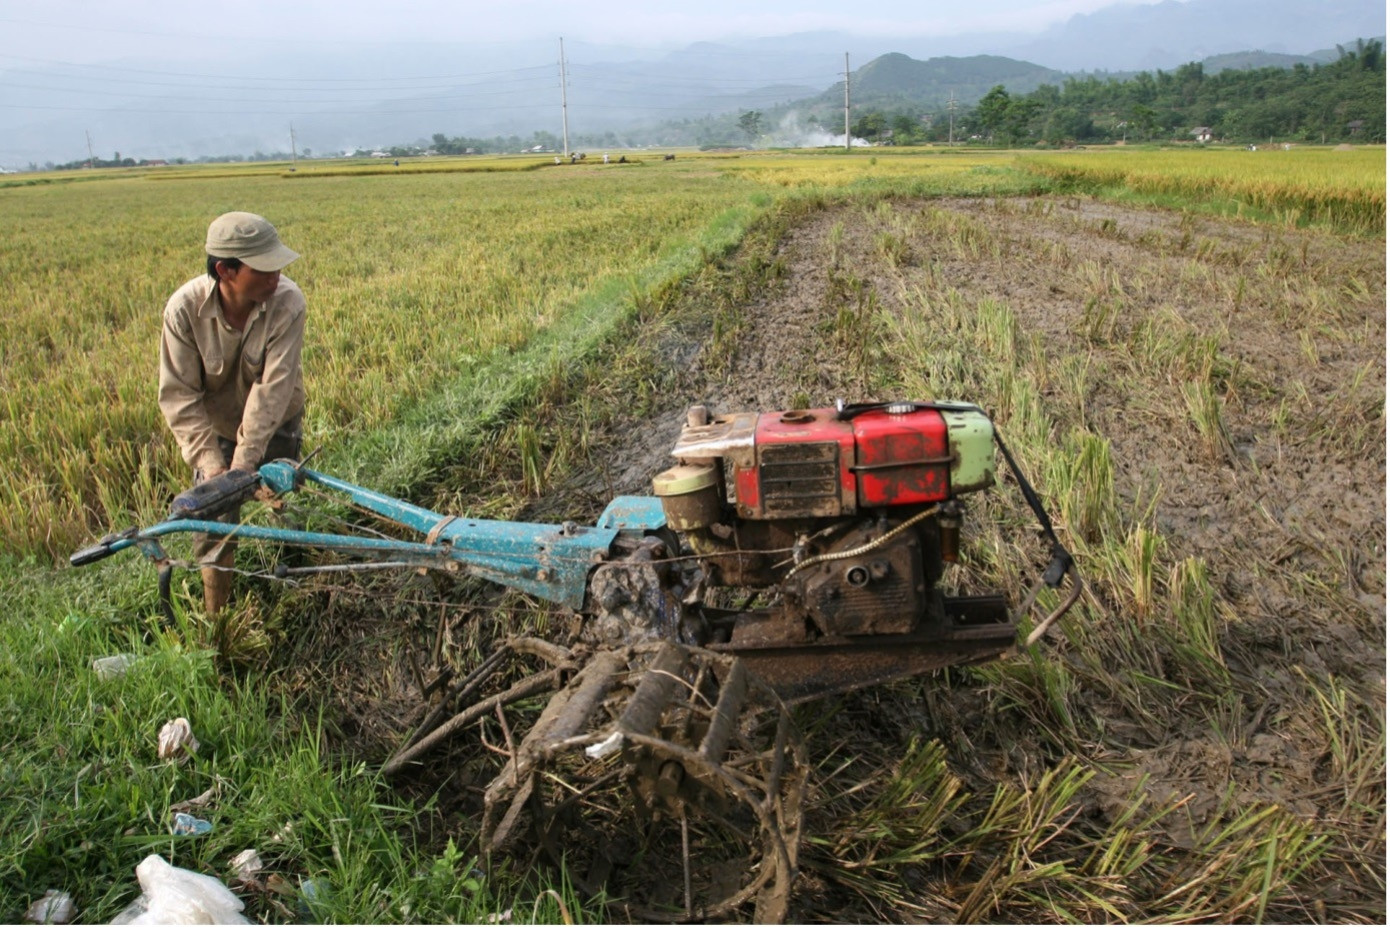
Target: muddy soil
{"points": [[1291, 524], [779, 357], [1289, 521]]}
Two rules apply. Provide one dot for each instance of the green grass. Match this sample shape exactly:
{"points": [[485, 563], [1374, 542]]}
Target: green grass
{"points": [[87, 797]]}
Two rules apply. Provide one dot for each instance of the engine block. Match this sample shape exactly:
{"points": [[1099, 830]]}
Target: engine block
{"points": [[847, 515]]}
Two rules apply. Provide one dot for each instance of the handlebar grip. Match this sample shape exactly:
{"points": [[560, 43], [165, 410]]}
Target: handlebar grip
{"points": [[99, 551], [217, 496]]}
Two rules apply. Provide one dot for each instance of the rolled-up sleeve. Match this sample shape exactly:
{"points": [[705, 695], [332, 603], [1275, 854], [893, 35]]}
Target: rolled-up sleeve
{"points": [[268, 403]]}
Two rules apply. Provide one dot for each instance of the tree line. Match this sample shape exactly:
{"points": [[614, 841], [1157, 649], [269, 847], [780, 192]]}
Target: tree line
{"points": [[1343, 100]]}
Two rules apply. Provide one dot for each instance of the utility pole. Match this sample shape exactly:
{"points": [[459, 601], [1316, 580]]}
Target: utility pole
{"points": [[294, 158], [951, 109], [91, 157], [846, 101], [564, 101]]}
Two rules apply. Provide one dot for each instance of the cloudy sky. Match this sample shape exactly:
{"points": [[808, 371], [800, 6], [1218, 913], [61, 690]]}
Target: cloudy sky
{"points": [[176, 78], [85, 31]]}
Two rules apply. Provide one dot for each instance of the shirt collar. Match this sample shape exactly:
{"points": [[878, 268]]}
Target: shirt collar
{"points": [[211, 307]]}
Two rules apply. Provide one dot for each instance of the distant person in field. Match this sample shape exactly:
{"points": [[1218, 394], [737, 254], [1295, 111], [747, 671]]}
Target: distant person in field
{"points": [[230, 383]]}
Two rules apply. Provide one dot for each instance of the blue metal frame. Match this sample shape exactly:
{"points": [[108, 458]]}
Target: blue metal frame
{"points": [[551, 562]]}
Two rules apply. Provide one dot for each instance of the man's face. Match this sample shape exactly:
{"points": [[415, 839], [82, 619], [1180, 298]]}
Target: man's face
{"points": [[247, 285]]}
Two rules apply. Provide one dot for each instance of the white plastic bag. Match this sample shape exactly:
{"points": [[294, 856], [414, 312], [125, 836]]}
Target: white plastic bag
{"points": [[114, 666], [176, 740], [176, 896], [54, 907], [246, 864]]}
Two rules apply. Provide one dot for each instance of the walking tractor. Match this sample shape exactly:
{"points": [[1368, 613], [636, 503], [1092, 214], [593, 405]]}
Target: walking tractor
{"points": [[786, 556]]}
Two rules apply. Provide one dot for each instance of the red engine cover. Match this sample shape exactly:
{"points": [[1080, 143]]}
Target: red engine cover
{"points": [[903, 459], [809, 464]]}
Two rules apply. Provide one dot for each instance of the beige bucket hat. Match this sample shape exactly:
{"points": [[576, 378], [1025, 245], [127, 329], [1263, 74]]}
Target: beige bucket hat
{"points": [[250, 239]]}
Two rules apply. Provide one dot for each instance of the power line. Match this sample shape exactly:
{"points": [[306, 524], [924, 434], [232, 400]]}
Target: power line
{"points": [[648, 94], [241, 98], [597, 79], [332, 97], [259, 111], [104, 67], [262, 111], [260, 38], [607, 73], [232, 88], [686, 89], [616, 89]]}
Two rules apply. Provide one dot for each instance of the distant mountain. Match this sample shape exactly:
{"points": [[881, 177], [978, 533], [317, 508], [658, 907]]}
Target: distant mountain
{"points": [[896, 78], [1129, 35], [1145, 37], [1252, 60]]}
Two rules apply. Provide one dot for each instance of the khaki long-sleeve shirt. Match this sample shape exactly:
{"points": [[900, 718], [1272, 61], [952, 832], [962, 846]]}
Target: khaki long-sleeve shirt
{"points": [[217, 381]]}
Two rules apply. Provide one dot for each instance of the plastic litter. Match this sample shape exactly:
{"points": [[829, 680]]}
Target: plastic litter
{"points": [[246, 864], [176, 740], [54, 907], [114, 666], [187, 824], [313, 895], [612, 744], [171, 895]]}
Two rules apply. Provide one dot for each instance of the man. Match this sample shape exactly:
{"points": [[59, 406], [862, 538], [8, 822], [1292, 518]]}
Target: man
{"points": [[230, 384]]}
